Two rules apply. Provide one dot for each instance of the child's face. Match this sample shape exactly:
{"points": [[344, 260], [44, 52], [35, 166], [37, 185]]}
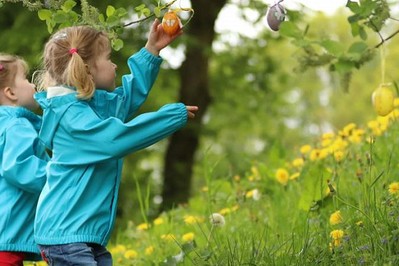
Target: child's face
{"points": [[103, 71], [24, 90]]}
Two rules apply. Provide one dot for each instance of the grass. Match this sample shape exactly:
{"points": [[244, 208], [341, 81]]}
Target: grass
{"points": [[334, 202]]}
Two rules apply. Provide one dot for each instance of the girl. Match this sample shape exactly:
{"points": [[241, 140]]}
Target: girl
{"points": [[23, 162], [84, 123]]}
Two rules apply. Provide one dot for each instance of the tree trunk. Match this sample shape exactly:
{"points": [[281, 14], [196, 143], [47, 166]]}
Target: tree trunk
{"points": [[194, 90]]}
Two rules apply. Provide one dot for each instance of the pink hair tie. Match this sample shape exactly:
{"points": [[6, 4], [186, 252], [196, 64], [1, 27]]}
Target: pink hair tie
{"points": [[1, 67], [73, 51]]}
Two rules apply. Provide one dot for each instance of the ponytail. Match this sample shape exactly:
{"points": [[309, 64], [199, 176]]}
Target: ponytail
{"points": [[78, 76]]}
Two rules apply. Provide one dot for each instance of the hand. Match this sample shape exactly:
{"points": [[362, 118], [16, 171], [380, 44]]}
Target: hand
{"points": [[191, 110], [159, 39]]}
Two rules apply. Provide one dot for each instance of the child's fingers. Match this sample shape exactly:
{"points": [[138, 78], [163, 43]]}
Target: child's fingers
{"points": [[155, 24]]}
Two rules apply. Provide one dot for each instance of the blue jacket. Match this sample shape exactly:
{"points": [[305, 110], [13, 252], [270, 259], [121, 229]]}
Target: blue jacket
{"points": [[22, 176], [88, 140]]}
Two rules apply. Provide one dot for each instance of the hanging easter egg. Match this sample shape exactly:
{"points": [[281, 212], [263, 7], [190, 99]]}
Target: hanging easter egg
{"points": [[171, 23], [383, 100], [275, 16]]}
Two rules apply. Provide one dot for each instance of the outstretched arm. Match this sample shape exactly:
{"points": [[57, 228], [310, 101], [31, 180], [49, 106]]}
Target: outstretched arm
{"points": [[96, 140]]}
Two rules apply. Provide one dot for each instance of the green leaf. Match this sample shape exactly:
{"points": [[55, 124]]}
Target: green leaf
{"points": [[140, 7], [355, 29], [344, 66], [121, 12], [289, 29], [60, 17], [68, 5], [101, 18], [44, 14], [146, 12], [353, 6], [358, 47], [157, 12], [333, 47], [110, 11], [362, 33], [117, 44]]}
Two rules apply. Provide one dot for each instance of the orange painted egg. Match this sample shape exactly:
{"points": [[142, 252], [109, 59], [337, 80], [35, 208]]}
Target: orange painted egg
{"points": [[171, 23]]}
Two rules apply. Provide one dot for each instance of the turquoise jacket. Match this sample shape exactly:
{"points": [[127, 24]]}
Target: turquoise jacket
{"points": [[88, 140], [22, 176]]}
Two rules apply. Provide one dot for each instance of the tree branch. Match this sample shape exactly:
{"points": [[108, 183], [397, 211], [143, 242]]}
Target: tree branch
{"points": [[387, 38]]}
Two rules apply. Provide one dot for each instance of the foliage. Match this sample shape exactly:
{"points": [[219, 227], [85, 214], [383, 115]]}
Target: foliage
{"points": [[368, 15], [63, 13]]}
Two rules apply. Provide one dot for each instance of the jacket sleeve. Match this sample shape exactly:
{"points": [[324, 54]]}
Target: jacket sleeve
{"points": [[144, 68], [21, 166], [95, 141]]}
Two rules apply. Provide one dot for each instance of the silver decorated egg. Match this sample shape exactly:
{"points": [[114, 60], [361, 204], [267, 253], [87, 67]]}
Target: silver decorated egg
{"points": [[275, 15]]}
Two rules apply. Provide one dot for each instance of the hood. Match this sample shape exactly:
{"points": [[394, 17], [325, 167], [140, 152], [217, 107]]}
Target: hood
{"points": [[18, 111], [53, 110]]}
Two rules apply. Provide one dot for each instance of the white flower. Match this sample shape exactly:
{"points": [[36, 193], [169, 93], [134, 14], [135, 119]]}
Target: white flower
{"points": [[217, 219], [256, 194]]}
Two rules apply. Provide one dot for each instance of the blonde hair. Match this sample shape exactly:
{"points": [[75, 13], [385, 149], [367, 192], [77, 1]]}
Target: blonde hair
{"points": [[9, 67], [63, 66]]}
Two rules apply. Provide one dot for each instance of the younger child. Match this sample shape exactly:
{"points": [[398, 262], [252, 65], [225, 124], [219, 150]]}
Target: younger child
{"points": [[23, 162], [85, 123]]}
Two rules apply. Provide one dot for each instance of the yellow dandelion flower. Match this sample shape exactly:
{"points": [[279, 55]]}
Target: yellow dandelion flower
{"points": [[118, 249], [189, 237], [337, 234], [298, 162], [305, 149], [225, 211], [326, 142], [347, 130], [189, 219], [328, 135], [131, 254], [339, 155], [294, 176], [356, 136], [336, 218], [282, 176], [168, 237], [143, 226], [158, 221], [373, 124], [149, 250], [396, 102], [315, 154], [336, 242], [254, 194], [237, 178], [255, 172], [395, 114], [394, 188], [235, 208]]}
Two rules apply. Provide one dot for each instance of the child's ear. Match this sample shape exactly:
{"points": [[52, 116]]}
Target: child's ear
{"points": [[9, 93]]}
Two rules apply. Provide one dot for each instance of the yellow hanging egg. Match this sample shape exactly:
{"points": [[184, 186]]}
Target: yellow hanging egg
{"points": [[383, 100], [171, 22]]}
